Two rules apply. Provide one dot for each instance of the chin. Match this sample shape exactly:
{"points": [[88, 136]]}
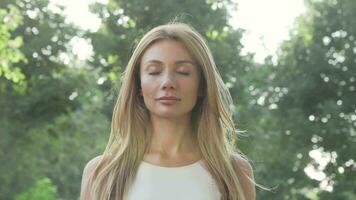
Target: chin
{"points": [[170, 115]]}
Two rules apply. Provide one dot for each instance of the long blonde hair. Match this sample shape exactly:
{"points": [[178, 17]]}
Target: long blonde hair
{"points": [[212, 123]]}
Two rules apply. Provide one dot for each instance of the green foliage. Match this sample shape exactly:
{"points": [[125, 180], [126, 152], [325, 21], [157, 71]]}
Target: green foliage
{"points": [[59, 122], [42, 190], [9, 50], [312, 89], [55, 144], [55, 115]]}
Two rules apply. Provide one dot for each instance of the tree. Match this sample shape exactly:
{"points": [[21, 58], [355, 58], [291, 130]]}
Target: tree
{"points": [[9, 52], [52, 127], [43, 190], [62, 114], [313, 89], [124, 22]]}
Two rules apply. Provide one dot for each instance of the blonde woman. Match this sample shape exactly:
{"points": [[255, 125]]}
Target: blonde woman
{"points": [[172, 134]]}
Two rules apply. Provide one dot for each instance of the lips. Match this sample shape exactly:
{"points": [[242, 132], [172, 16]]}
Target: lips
{"points": [[169, 98]]}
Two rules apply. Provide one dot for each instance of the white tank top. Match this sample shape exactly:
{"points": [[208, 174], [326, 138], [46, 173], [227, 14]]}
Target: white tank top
{"points": [[187, 182]]}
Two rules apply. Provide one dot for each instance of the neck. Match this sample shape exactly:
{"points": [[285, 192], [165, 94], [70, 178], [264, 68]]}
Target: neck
{"points": [[172, 137]]}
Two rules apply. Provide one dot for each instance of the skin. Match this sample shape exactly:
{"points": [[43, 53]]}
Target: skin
{"points": [[168, 69], [163, 72]]}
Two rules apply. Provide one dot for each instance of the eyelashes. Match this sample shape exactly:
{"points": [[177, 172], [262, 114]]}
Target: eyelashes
{"points": [[182, 73], [153, 73]]}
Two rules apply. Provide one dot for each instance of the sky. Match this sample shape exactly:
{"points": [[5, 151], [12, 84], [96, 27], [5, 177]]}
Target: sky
{"points": [[267, 23]]}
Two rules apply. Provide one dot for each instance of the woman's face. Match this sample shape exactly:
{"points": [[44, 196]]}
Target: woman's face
{"points": [[169, 79]]}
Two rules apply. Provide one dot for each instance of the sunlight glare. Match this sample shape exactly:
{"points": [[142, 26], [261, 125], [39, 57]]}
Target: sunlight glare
{"points": [[267, 24]]}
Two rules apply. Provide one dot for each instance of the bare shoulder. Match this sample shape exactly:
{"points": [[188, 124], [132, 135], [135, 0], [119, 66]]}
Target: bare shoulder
{"points": [[88, 170], [245, 173], [244, 165], [90, 166]]}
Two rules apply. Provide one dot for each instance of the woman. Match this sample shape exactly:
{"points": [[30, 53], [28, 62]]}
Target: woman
{"points": [[172, 133]]}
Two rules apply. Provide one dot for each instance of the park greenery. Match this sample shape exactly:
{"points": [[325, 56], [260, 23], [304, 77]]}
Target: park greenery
{"points": [[296, 113]]}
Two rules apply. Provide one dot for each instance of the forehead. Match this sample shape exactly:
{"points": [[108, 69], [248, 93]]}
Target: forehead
{"points": [[166, 50]]}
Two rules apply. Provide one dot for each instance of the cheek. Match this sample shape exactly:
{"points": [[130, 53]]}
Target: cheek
{"points": [[191, 87], [147, 87]]}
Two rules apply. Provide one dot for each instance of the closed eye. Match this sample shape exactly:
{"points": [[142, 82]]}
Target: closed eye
{"points": [[153, 73], [184, 73]]}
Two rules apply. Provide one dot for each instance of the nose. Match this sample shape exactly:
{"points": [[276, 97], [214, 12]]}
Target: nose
{"points": [[168, 82]]}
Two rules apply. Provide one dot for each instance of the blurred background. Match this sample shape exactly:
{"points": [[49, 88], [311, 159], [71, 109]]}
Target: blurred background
{"points": [[290, 67]]}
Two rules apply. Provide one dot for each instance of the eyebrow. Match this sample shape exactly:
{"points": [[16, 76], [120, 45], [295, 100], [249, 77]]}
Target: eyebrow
{"points": [[177, 62]]}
